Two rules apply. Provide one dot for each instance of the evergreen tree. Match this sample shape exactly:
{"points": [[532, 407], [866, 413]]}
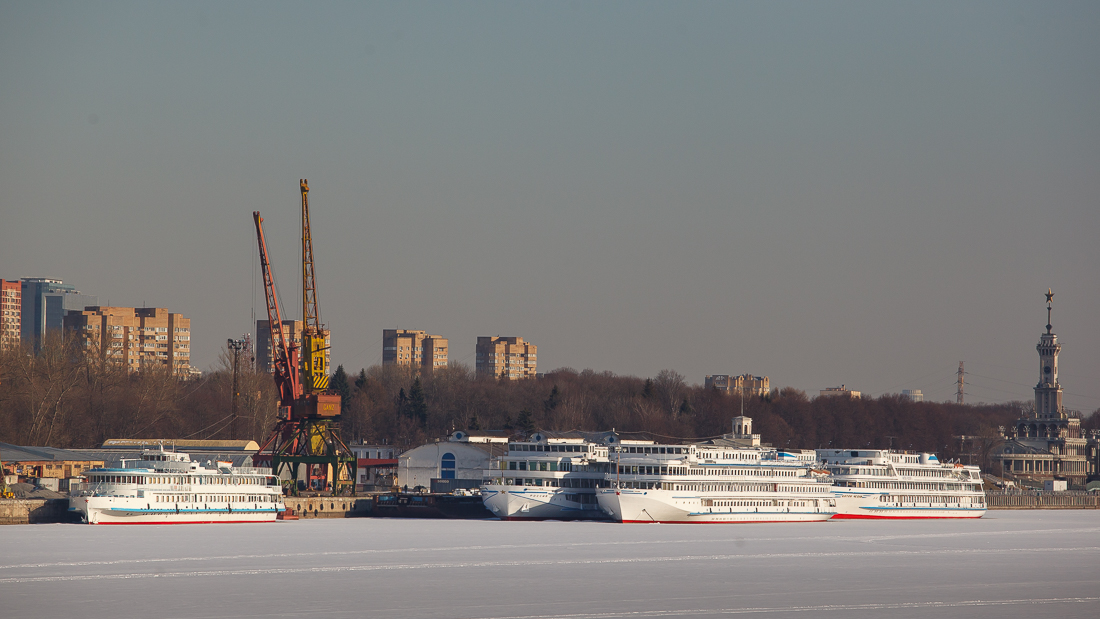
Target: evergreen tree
{"points": [[402, 403], [417, 406], [525, 423], [552, 402], [339, 384], [647, 390], [361, 380]]}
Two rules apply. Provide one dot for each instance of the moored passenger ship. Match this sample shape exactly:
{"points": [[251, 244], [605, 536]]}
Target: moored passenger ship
{"points": [[551, 476], [880, 483], [728, 480], [166, 487]]}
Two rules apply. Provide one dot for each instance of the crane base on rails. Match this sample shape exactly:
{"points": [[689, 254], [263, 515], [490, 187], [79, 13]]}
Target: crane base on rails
{"points": [[314, 442]]}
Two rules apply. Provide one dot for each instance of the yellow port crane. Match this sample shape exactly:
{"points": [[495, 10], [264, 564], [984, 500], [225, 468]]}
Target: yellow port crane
{"points": [[315, 338], [307, 430]]}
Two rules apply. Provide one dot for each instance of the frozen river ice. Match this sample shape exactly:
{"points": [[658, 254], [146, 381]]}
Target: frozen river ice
{"points": [[1008, 564]]}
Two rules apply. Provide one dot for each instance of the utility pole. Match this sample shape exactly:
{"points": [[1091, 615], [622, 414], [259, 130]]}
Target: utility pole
{"points": [[959, 391], [236, 346]]}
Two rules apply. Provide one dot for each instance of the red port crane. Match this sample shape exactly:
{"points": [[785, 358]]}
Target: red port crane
{"points": [[306, 431]]}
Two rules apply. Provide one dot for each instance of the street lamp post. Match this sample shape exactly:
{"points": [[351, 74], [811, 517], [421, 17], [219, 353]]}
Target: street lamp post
{"points": [[236, 346]]}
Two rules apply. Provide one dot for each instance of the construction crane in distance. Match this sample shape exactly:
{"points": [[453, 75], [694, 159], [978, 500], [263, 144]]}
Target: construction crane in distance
{"points": [[307, 430]]}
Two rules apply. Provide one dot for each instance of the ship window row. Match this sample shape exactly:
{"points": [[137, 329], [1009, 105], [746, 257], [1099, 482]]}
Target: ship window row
{"points": [[549, 448], [584, 499], [817, 488], [760, 503], [215, 498], [909, 485], [924, 473], [708, 472], [928, 499], [652, 470], [174, 479], [552, 483], [654, 450], [728, 456], [847, 470], [534, 465]]}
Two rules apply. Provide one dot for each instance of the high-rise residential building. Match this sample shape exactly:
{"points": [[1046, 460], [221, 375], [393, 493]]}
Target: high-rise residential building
{"points": [[292, 331], [747, 383], [913, 395], [507, 357], [45, 302], [416, 349], [136, 337], [11, 294]]}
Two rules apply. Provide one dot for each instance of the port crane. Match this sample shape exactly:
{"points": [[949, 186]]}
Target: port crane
{"points": [[307, 431], [315, 338]]}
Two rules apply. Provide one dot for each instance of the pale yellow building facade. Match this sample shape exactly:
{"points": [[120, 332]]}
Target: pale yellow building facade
{"points": [[135, 337], [417, 349], [507, 357]]}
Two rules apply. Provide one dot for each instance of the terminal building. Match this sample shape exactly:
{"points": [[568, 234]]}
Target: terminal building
{"points": [[459, 461], [1048, 442]]}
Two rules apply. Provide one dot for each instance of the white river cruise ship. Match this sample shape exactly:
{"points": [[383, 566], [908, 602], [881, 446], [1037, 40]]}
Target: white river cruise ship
{"points": [[880, 483], [550, 476], [728, 480], [166, 487]]}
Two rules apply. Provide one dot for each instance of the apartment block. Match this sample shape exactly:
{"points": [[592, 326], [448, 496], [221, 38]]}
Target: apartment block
{"points": [[510, 357], [45, 302], [414, 348], [136, 337], [746, 383], [11, 294], [291, 331]]}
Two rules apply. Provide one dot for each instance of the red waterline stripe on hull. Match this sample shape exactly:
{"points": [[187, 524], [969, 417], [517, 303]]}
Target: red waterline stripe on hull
{"points": [[716, 521], [517, 519], [193, 522], [868, 517]]}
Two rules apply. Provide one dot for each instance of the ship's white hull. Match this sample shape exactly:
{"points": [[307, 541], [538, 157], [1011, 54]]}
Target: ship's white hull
{"points": [[537, 503], [630, 505], [128, 510], [870, 507]]}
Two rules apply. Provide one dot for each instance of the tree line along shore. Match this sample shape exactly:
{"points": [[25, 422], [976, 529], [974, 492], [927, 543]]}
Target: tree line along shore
{"points": [[70, 398]]}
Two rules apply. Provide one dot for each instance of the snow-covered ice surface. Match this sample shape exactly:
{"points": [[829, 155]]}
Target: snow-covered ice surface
{"points": [[1008, 564]]}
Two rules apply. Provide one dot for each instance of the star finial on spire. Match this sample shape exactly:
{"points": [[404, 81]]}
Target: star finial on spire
{"points": [[1050, 301]]}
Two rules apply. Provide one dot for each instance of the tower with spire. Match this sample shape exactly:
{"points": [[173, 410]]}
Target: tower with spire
{"points": [[1046, 443], [1048, 392]]}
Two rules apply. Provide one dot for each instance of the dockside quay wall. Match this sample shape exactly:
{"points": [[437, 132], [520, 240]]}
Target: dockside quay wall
{"points": [[328, 507], [1046, 500], [34, 511]]}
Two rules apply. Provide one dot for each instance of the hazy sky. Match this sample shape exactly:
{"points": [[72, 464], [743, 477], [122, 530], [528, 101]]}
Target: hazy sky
{"points": [[820, 192]]}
